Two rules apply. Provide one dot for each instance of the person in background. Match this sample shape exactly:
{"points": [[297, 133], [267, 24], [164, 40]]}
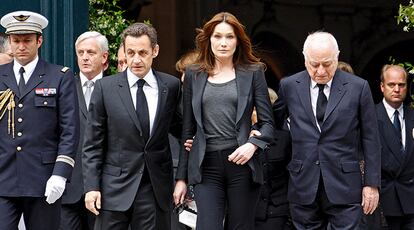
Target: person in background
{"points": [[345, 67], [37, 155], [272, 210], [327, 108], [396, 126], [92, 53], [186, 60], [6, 55], [121, 58], [219, 94], [127, 165]]}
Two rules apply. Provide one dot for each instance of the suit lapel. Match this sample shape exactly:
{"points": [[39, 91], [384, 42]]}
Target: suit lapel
{"points": [[244, 85], [303, 91], [81, 97], [162, 99], [336, 94], [36, 78], [125, 95], [409, 133], [10, 80], [199, 82], [392, 141]]}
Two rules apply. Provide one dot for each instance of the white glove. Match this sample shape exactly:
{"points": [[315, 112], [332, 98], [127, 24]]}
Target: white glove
{"points": [[54, 188]]}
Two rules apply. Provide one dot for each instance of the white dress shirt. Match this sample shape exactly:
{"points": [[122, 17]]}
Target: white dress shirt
{"points": [[28, 70], [314, 92], [150, 90], [84, 79], [390, 112]]}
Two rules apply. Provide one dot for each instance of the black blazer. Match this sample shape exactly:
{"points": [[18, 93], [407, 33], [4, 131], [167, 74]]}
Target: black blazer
{"points": [[251, 92], [273, 194], [397, 171], [114, 152]]}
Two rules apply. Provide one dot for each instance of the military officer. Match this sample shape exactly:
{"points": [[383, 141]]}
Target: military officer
{"points": [[39, 133]]}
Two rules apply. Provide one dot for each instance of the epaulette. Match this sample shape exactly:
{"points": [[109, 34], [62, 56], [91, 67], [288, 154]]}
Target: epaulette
{"points": [[64, 69]]}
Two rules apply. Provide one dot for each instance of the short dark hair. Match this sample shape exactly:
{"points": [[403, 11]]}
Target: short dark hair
{"points": [[139, 29]]}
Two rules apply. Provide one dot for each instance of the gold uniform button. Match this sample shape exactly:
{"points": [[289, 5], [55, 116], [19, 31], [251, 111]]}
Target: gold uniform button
{"points": [[19, 120], [19, 134], [19, 148], [20, 105], [45, 102]]}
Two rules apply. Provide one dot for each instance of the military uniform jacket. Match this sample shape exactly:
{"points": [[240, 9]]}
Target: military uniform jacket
{"points": [[46, 128]]}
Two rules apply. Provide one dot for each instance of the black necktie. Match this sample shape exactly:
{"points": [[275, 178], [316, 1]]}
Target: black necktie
{"points": [[142, 109], [22, 84], [321, 104], [397, 123]]}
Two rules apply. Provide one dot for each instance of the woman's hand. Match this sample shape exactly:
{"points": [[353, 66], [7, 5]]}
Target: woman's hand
{"points": [[188, 144], [179, 192], [242, 154]]}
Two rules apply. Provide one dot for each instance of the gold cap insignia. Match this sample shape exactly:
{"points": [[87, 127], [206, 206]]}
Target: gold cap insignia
{"points": [[21, 18]]}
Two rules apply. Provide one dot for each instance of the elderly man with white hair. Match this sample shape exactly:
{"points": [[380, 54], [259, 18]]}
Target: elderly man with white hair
{"points": [[331, 114], [92, 54]]}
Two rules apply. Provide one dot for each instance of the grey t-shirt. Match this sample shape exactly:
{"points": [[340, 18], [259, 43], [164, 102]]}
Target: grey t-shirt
{"points": [[219, 105]]}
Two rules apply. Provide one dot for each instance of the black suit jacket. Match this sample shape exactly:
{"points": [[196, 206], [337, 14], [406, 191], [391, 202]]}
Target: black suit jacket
{"points": [[333, 152], [74, 188], [114, 152], [251, 92], [273, 193], [397, 170]]}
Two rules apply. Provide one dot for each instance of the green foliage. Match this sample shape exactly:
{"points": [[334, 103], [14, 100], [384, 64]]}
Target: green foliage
{"points": [[105, 16], [406, 65], [406, 16]]}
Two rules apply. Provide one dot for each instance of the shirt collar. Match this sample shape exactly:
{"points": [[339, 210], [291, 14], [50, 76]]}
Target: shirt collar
{"points": [[84, 79], [149, 79], [28, 69], [313, 83], [390, 110]]}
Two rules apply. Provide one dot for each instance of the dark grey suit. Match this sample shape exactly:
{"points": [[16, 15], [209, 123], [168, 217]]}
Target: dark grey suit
{"points": [[115, 154]]}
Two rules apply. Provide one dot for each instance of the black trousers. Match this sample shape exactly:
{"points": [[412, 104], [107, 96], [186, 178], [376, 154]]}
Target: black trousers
{"points": [[273, 223], [400, 222], [37, 213], [76, 216], [227, 190], [144, 213], [322, 212]]}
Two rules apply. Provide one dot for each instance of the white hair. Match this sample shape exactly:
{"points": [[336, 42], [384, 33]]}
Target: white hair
{"points": [[4, 43], [320, 37], [101, 40]]}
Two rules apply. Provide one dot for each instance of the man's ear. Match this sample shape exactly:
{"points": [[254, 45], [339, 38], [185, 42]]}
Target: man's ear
{"points": [[155, 51], [39, 41]]}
